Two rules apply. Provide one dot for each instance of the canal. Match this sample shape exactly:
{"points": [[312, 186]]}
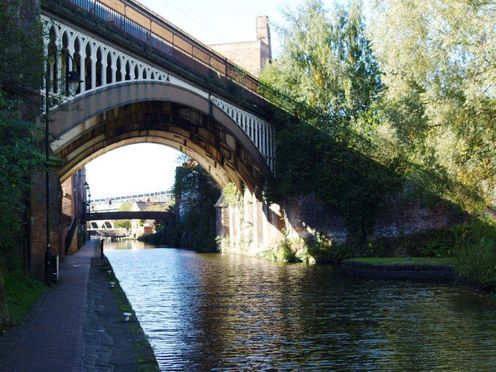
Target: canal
{"points": [[212, 311]]}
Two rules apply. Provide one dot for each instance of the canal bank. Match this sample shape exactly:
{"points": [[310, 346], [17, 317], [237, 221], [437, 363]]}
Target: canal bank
{"points": [[114, 339], [78, 325], [401, 268]]}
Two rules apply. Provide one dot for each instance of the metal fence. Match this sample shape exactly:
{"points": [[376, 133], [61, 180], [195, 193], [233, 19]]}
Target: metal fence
{"points": [[208, 59]]}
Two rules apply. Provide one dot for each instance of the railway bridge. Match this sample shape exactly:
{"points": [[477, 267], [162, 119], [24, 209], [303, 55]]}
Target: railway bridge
{"points": [[141, 79]]}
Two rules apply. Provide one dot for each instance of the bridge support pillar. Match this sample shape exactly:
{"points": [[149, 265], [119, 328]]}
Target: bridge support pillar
{"points": [[38, 246], [249, 227]]}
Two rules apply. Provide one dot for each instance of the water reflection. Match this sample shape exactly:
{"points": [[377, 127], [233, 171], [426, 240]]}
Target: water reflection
{"points": [[212, 311]]}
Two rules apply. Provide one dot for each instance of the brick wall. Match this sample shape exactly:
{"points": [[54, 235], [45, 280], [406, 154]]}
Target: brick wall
{"points": [[398, 217], [250, 55], [38, 221], [65, 202], [67, 208], [247, 55]]}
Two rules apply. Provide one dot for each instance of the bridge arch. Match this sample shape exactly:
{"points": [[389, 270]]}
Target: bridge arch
{"points": [[143, 80], [157, 112]]}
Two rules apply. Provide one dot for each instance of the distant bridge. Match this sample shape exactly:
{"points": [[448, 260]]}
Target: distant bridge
{"points": [[126, 215], [160, 195]]}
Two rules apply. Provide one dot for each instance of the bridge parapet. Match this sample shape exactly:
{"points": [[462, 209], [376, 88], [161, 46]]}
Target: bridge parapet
{"points": [[144, 24]]}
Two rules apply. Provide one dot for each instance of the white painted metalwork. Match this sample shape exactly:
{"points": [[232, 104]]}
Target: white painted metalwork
{"points": [[101, 66], [260, 131]]}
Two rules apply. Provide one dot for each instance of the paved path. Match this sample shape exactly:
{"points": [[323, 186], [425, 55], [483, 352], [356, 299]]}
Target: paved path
{"points": [[53, 338]]}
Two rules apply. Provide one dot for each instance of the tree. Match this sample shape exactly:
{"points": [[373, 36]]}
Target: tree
{"points": [[21, 45], [21, 62], [195, 194], [124, 224], [438, 59], [327, 62], [328, 65]]}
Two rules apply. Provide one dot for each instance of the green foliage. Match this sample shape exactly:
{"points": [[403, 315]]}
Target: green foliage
{"points": [[232, 196], [327, 63], [21, 44], [324, 250], [417, 121], [475, 251], [477, 262], [422, 135], [312, 161], [434, 242], [19, 158], [196, 193], [123, 224], [437, 59], [470, 247], [427, 243], [21, 62], [164, 232], [286, 252], [20, 75], [21, 294]]}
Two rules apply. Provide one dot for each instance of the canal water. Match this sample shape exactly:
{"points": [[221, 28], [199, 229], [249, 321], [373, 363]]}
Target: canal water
{"points": [[212, 311]]}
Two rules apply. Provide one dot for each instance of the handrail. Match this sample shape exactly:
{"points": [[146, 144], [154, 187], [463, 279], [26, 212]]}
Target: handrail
{"points": [[145, 25], [70, 235]]}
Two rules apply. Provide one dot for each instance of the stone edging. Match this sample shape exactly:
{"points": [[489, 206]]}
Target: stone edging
{"points": [[415, 272]]}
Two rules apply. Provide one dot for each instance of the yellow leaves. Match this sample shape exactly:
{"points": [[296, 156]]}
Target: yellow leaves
{"points": [[318, 79]]}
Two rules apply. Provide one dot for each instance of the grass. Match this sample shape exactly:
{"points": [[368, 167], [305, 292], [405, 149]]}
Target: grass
{"points": [[21, 295], [419, 261]]}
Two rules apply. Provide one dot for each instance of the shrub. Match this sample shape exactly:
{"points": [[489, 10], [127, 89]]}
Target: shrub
{"points": [[286, 252], [428, 243], [478, 262], [324, 250]]}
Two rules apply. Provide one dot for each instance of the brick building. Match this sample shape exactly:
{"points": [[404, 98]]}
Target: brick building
{"points": [[73, 208], [250, 55]]}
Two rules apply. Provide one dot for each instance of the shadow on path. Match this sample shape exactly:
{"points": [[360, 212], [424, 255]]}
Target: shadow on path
{"points": [[52, 337]]}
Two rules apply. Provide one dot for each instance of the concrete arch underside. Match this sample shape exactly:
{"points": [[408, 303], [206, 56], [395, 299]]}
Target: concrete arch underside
{"points": [[138, 112]]}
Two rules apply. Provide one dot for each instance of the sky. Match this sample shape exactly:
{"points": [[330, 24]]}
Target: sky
{"points": [[132, 169], [221, 21], [147, 167]]}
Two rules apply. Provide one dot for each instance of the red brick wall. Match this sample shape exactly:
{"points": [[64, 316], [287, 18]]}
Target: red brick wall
{"points": [[247, 55], [38, 221]]}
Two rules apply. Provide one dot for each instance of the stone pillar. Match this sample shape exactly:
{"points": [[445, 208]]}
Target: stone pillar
{"points": [[252, 228]]}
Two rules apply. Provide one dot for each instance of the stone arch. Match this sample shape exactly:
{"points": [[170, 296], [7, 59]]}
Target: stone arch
{"points": [[83, 127]]}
